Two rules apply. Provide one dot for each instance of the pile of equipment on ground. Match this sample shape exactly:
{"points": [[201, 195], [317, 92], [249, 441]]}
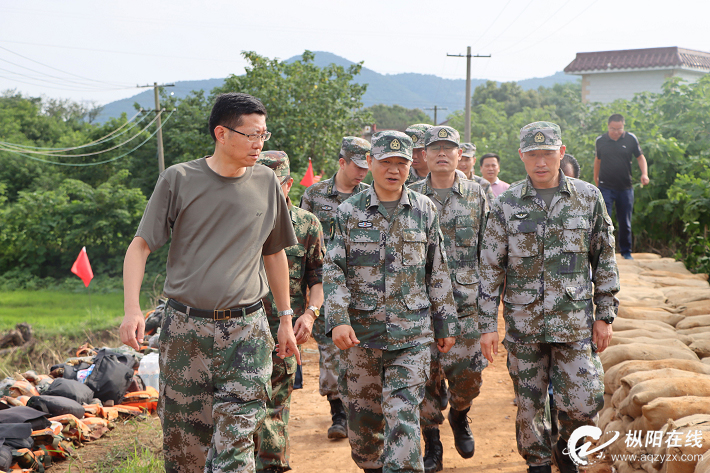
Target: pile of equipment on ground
{"points": [[43, 418], [657, 370]]}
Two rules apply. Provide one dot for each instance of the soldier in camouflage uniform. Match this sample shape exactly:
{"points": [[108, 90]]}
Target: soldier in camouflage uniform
{"points": [[543, 236], [228, 225], [469, 157], [323, 199], [462, 208], [305, 264], [388, 296], [419, 168]]}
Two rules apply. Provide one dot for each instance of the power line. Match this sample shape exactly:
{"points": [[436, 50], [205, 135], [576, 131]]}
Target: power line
{"points": [[510, 24], [71, 81], [100, 162], [490, 25], [537, 27]]}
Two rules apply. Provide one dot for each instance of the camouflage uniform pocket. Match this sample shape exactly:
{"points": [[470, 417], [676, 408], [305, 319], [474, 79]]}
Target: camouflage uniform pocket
{"points": [[466, 291], [413, 247], [364, 248], [296, 267], [575, 245], [524, 254], [466, 238]]}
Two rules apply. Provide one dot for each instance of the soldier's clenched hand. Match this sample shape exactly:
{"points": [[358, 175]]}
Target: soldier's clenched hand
{"points": [[601, 335], [132, 329], [287, 340], [445, 344], [344, 337], [489, 345], [304, 327]]}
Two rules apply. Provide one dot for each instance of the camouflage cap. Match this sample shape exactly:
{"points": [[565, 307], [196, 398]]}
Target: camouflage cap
{"points": [[469, 150], [389, 143], [416, 134], [540, 135], [277, 161], [441, 133], [356, 149]]}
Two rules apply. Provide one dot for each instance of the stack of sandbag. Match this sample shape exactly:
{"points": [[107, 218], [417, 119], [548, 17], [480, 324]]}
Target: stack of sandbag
{"points": [[657, 370]]}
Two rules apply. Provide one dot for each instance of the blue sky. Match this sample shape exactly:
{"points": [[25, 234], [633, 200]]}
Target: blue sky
{"points": [[99, 51]]}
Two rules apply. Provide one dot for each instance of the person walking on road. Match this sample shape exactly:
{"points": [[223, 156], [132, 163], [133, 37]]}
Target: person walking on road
{"points": [[225, 216], [542, 237]]}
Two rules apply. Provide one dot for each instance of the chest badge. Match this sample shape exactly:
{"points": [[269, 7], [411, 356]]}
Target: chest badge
{"points": [[327, 207], [364, 224], [521, 215]]}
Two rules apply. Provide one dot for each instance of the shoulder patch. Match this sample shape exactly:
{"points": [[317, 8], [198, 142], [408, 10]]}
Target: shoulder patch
{"points": [[521, 215], [364, 224]]}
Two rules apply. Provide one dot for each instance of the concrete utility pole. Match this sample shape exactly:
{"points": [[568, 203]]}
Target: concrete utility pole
{"points": [[467, 131], [158, 110], [435, 109]]}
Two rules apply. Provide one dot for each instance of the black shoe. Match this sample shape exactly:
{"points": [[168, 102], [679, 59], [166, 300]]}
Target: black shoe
{"points": [[540, 469], [563, 460], [298, 382], [272, 469], [463, 438], [339, 429], [433, 451], [443, 396], [373, 470]]}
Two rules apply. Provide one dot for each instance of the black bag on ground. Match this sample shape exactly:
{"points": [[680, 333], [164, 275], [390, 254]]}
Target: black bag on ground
{"points": [[19, 414], [71, 389], [111, 376], [5, 457], [70, 371], [17, 435], [56, 405]]}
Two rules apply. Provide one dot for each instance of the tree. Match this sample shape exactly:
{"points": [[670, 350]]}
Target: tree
{"points": [[310, 108], [396, 117]]}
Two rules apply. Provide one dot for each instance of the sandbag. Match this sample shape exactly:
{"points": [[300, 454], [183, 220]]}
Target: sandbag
{"points": [[671, 274], [700, 307], [621, 323], [71, 389], [638, 351], [668, 342], [110, 378], [694, 330], [56, 405], [613, 376], [677, 281], [606, 415], [646, 391], [687, 452], [657, 412], [679, 295], [701, 347], [703, 465], [694, 321], [649, 314], [628, 382], [660, 335]]}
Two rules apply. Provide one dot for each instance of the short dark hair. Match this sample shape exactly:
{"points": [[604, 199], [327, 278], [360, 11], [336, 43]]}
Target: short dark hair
{"points": [[488, 155], [568, 159], [228, 110], [617, 117]]}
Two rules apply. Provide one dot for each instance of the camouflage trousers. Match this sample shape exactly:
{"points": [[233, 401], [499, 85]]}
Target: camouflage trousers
{"points": [[328, 362], [462, 367], [214, 384], [577, 382], [271, 441], [383, 391]]}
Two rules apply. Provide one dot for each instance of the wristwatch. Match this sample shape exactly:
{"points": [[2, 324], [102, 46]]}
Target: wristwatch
{"points": [[315, 310], [607, 320], [285, 312]]}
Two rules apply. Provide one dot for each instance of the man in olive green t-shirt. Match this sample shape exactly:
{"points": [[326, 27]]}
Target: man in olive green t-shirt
{"points": [[225, 216]]}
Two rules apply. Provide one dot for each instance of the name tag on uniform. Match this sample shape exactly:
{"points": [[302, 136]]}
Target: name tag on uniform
{"points": [[326, 207], [364, 224]]}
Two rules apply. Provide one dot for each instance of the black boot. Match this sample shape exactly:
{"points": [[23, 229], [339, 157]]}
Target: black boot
{"points": [[443, 395], [563, 461], [373, 470], [339, 429], [540, 469], [433, 451], [463, 438]]}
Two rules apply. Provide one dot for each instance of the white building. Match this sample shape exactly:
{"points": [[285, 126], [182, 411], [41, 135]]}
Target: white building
{"points": [[611, 75]]}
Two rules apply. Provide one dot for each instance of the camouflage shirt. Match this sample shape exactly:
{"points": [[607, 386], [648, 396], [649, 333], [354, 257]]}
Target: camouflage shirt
{"points": [[305, 264], [413, 177], [544, 256], [462, 219], [322, 199], [382, 276], [490, 196]]}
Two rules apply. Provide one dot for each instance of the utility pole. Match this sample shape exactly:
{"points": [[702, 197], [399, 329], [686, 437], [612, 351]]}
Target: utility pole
{"points": [[158, 110], [468, 56], [435, 109]]}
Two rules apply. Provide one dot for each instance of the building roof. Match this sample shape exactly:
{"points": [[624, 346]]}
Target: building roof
{"points": [[630, 59]]}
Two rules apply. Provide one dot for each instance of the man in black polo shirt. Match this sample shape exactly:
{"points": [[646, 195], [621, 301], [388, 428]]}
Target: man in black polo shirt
{"points": [[612, 174]]}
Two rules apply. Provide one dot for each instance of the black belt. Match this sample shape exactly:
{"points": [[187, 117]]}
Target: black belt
{"points": [[218, 314]]}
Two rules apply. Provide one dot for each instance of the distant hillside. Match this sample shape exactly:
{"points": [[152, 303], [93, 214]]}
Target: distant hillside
{"points": [[409, 90]]}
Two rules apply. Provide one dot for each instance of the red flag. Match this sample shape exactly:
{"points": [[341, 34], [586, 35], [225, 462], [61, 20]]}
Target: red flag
{"points": [[308, 179], [82, 267]]}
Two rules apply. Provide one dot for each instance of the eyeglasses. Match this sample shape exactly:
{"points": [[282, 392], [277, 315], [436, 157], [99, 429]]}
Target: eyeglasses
{"points": [[285, 179], [445, 148], [253, 137]]}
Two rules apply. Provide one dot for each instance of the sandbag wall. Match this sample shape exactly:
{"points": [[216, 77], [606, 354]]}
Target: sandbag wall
{"points": [[657, 370]]}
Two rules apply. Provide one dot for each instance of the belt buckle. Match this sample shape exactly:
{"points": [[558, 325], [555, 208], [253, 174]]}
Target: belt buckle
{"points": [[217, 312]]}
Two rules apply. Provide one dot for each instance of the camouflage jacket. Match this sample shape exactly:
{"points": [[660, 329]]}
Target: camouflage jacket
{"points": [[462, 219], [305, 264], [549, 259], [413, 177], [490, 196], [322, 199], [383, 276]]}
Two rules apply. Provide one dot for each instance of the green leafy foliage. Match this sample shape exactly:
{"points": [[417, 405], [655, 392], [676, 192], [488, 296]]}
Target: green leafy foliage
{"points": [[396, 117]]}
